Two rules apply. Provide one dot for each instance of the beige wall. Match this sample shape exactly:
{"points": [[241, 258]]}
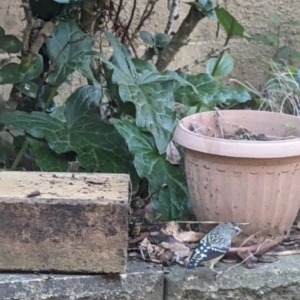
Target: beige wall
{"points": [[252, 14]]}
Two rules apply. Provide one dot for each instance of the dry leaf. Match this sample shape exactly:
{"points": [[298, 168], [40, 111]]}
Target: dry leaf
{"points": [[167, 258], [174, 246], [96, 180], [172, 154], [189, 236], [199, 128], [171, 228]]}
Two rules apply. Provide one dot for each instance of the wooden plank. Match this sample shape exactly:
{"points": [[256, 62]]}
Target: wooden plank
{"points": [[65, 222]]}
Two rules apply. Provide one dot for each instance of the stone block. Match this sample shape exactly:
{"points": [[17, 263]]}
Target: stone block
{"points": [[276, 281], [142, 281], [63, 222]]}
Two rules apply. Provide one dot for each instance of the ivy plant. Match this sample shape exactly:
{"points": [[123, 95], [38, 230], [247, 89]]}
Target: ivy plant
{"points": [[122, 122]]}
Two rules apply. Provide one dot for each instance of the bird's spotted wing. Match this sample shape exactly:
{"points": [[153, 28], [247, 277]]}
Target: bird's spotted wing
{"points": [[208, 249]]}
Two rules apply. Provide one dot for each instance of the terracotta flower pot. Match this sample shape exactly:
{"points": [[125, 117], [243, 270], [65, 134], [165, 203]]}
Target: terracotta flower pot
{"points": [[239, 180]]}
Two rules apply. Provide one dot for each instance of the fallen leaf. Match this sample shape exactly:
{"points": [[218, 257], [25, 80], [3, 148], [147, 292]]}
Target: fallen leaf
{"points": [[139, 238], [199, 128], [172, 154], [166, 258], [189, 236], [170, 228], [174, 246], [158, 237]]}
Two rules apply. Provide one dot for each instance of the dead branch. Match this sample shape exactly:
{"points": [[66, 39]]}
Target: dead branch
{"points": [[180, 38]]}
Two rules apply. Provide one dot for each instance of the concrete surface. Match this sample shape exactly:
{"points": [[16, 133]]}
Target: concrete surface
{"points": [[276, 281], [75, 222], [142, 281]]}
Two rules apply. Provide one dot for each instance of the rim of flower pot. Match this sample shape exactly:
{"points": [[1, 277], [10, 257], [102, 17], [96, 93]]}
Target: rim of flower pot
{"points": [[240, 148]]}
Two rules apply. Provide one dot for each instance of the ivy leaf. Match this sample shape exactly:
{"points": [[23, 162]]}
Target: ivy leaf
{"points": [[28, 88], [172, 202], [210, 92], [67, 47], [9, 43], [224, 68], [151, 92], [48, 160], [142, 65], [121, 57], [161, 40], [231, 26], [29, 69], [99, 147], [37, 124], [147, 37]]}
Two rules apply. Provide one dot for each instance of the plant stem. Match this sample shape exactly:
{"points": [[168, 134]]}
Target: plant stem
{"points": [[220, 56], [180, 38], [26, 143]]}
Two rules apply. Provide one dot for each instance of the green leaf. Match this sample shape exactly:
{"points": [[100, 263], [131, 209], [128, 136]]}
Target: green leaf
{"points": [[2, 32], [152, 95], [37, 124], [67, 47], [275, 19], [147, 37], [48, 160], [28, 88], [161, 40], [62, 1], [210, 92], [231, 26], [172, 202], [99, 147], [121, 57], [29, 69], [224, 67], [205, 6], [10, 43], [142, 65]]}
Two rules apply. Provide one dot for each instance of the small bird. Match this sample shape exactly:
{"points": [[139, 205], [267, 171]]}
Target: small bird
{"points": [[214, 245]]}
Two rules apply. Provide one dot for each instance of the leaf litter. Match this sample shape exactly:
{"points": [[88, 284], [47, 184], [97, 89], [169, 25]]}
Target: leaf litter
{"points": [[172, 243]]}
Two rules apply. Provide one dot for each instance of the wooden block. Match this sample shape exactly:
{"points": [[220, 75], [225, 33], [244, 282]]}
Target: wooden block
{"points": [[64, 222]]}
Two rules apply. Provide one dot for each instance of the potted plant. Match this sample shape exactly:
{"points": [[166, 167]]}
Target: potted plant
{"points": [[243, 166]]}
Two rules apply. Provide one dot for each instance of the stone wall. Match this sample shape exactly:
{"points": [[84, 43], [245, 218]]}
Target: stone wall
{"points": [[248, 56]]}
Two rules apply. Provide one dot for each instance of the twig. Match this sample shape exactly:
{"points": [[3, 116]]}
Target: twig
{"points": [[285, 253], [126, 30], [173, 14], [220, 125], [198, 61], [29, 23], [148, 10], [249, 238], [252, 254]]}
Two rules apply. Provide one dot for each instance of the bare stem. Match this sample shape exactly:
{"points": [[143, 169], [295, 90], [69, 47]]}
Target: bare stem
{"points": [[180, 38]]}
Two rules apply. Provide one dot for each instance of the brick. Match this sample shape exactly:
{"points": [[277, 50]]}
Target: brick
{"points": [[78, 222]]}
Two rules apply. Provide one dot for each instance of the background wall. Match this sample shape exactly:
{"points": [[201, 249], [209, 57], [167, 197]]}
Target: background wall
{"points": [[252, 14]]}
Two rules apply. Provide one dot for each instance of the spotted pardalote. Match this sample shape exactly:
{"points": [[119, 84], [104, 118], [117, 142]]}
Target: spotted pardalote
{"points": [[214, 245]]}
